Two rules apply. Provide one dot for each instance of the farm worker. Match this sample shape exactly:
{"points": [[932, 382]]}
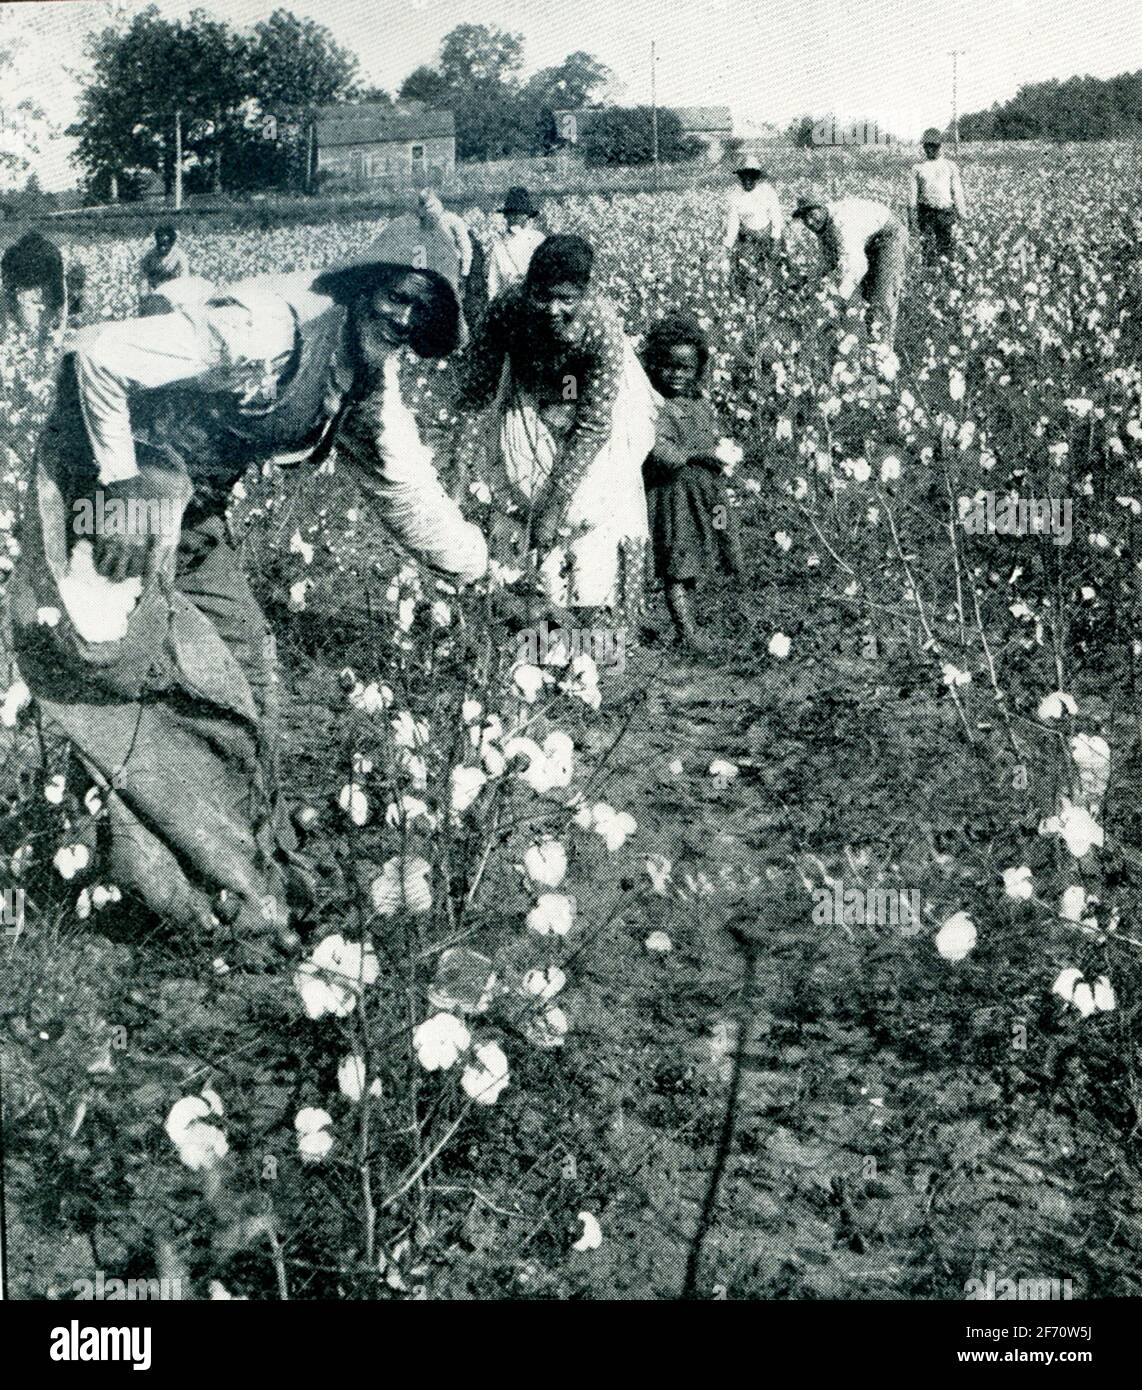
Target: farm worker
{"points": [[171, 703], [573, 420], [866, 244], [510, 253], [166, 260], [34, 288], [755, 224], [432, 212], [937, 199]]}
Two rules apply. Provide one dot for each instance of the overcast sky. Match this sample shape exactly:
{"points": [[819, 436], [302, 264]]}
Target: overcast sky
{"points": [[768, 60]]}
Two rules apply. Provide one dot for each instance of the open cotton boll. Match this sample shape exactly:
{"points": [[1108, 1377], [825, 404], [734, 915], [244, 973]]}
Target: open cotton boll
{"points": [[99, 608]]}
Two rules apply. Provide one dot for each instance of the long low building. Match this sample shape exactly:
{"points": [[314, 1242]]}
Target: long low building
{"points": [[372, 143]]}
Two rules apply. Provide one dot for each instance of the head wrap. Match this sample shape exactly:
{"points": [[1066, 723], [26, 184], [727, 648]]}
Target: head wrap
{"points": [[561, 260]]}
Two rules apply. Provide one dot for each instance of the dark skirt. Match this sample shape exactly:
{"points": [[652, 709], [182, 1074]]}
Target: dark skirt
{"points": [[692, 527]]}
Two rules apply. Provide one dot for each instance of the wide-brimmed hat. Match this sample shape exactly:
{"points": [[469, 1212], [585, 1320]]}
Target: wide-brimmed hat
{"points": [[807, 203], [932, 136], [518, 199], [749, 165], [406, 243]]}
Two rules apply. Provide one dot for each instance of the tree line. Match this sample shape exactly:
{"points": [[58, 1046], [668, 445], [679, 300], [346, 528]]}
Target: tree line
{"points": [[1079, 108], [235, 110]]}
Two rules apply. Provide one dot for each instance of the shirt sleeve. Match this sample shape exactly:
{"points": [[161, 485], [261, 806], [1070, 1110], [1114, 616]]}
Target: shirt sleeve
{"points": [[381, 442], [482, 363], [113, 359], [463, 239], [958, 192], [851, 261], [733, 222], [179, 263], [604, 345]]}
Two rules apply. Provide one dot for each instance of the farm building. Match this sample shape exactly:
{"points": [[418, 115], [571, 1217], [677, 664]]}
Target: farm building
{"points": [[385, 144], [713, 126]]}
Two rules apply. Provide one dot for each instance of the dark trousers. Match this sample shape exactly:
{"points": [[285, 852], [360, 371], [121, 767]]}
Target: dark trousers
{"points": [[937, 232]]}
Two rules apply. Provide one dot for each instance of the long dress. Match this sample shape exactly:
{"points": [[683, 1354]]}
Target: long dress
{"points": [[571, 420], [691, 524]]}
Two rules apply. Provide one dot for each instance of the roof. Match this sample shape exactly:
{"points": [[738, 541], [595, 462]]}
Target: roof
{"points": [[712, 119], [372, 124]]}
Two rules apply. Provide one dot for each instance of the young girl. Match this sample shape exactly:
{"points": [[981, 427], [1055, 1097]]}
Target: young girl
{"points": [[690, 519]]}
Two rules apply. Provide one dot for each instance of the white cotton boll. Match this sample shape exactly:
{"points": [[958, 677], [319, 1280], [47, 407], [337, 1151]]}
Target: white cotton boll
{"points": [[1092, 758], [1103, 994], [17, 696], [544, 984], [592, 1236], [466, 785], [353, 801], [1082, 998], [1076, 825], [779, 646], [1017, 883], [1052, 706], [55, 789], [546, 863], [721, 767], [957, 386], [659, 943], [99, 608], [440, 1040], [1073, 903], [528, 681], [71, 860], [484, 1079], [552, 915], [351, 1077], [956, 939]]}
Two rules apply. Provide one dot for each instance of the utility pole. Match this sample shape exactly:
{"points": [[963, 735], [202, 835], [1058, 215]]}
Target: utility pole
{"points": [[654, 112], [177, 160], [956, 54]]}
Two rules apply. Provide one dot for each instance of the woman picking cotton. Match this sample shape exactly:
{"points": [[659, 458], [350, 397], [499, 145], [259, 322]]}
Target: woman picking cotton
{"points": [[573, 419]]}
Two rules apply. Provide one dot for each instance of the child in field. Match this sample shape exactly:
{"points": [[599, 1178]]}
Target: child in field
{"points": [[691, 523]]}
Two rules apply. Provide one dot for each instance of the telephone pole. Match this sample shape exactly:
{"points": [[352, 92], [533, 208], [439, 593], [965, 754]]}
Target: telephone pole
{"points": [[177, 161], [654, 112], [956, 54]]}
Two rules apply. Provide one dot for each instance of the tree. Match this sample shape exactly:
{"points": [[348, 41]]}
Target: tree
{"points": [[1081, 108], [425, 84], [567, 86], [625, 135], [296, 66], [20, 126], [474, 54]]}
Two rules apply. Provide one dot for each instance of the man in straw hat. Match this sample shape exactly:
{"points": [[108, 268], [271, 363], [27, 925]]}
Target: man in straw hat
{"points": [[510, 253], [755, 223], [172, 706], [866, 245], [936, 200]]}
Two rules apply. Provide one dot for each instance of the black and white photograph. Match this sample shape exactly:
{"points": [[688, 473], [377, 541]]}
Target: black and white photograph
{"points": [[571, 661]]}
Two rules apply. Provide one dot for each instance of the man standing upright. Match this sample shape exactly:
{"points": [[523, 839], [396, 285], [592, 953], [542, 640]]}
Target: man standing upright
{"points": [[510, 255], [866, 244], [937, 199], [755, 224]]}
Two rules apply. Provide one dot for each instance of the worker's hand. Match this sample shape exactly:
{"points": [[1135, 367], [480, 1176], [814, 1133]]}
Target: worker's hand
{"points": [[134, 523]]}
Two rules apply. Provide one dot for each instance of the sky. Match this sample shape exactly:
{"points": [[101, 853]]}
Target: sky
{"points": [[768, 60]]}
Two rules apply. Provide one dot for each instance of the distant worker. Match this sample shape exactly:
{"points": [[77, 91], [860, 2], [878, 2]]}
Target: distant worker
{"points": [[755, 224], [34, 292], [509, 254], [166, 260], [432, 212], [866, 244], [937, 199], [75, 280]]}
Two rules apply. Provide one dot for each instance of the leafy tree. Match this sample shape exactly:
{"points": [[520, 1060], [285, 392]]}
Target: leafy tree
{"points": [[624, 135], [426, 84], [1081, 108], [474, 54], [20, 125]]}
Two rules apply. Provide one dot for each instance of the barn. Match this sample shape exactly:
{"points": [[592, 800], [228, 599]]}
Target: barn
{"points": [[371, 143]]}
